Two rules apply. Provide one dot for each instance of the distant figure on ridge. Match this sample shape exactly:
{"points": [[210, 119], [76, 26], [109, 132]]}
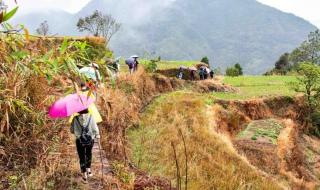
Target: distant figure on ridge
{"points": [[130, 63], [136, 63], [180, 74]]}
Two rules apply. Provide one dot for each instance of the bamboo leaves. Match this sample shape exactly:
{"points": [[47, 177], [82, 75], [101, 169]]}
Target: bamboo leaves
{"points": [[8, 15], [64, 46]]}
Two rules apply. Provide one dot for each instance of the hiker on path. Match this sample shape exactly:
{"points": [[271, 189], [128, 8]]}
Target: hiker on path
{"points": [[92, 73], [85, 129], [116, 66]]}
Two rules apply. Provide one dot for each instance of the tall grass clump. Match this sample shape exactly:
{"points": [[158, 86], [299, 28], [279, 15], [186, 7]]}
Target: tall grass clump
{"points": [[34, 72]]}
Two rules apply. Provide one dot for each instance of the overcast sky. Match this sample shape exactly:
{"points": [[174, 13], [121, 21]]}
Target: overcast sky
{"points": [[307, 9]]}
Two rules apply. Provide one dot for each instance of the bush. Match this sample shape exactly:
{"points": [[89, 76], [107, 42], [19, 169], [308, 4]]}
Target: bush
{"points": [[205, 60], [152, 66], [238, 66], [232, 72], [308, 84], [315, 118]]}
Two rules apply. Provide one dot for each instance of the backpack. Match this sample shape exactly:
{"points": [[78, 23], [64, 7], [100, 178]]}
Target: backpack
{"points": [[85, 139]]}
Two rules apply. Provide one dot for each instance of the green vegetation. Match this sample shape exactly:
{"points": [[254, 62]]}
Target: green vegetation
{"points": [[262, 129], [309, 84], [282, 66], [162, 65], [257, 87], [234, 71], [308, 51], [32, 78], [205, 60]]}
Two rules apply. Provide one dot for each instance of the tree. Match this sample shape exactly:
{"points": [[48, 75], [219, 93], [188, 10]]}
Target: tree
{"points": [[282, 66], [99, 24], [309, 82], [232, 72], [309, 85], [43, 29], [309, 50], [238, 66], [205, 60]]}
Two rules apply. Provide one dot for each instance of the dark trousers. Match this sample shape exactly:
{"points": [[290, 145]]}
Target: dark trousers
{"points": [[85, 155]]}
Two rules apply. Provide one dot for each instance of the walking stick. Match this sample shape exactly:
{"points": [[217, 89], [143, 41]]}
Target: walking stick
{"points": [[101, 160]]}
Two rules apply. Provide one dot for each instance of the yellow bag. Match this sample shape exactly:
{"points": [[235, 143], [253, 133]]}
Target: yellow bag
{"points": [[93, 110]]}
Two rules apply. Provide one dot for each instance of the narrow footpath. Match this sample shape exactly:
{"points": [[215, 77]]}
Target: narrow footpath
{"points": [[70, 161]]}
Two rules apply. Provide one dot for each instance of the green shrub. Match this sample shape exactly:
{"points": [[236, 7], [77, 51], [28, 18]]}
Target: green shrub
{"points": [[205, 60], [152, 66], [232, 72], [315, 118], [238, 66]]}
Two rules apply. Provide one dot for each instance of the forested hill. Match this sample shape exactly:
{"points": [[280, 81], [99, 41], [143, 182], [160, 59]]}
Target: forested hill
{"points": [[227, 31]]}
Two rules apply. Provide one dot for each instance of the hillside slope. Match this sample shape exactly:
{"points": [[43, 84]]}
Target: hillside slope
{"points": [[227, 31]]}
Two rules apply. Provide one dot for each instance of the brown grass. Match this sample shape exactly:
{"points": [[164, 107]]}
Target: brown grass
{"points": [[285, 159], [29, 141], [214, 164], [124, 102]]}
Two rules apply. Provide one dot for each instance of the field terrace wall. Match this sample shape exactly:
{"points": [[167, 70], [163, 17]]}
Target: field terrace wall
{"points": [[233, 116], [285, 158]]}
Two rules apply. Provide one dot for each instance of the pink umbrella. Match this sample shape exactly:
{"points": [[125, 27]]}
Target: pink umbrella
{"points": [[69, 105]]}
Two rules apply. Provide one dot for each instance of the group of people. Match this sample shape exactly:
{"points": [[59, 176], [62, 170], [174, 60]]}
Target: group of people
{"points": [[203, 71], [84, 123]]}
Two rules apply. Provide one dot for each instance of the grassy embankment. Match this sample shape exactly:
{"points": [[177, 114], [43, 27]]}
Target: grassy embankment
{"points": [[212, 161], [162, 65], [248, 86], [258, 86]]}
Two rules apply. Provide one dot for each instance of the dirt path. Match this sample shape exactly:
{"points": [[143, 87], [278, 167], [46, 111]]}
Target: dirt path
{"points": [[71, 162]]}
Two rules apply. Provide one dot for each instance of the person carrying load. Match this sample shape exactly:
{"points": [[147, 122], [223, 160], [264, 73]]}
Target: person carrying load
{"points": [[131, 64]]}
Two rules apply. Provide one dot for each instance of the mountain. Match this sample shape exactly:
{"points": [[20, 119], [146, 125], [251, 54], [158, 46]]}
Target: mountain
{"points": [[227, 31], [56, 20]]}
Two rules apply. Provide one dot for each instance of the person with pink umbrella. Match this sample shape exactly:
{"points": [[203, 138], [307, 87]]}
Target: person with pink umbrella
{"points": [[83, 126]]}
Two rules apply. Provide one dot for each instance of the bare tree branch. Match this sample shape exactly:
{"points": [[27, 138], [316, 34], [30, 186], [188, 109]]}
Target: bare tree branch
{"points": [[99, 24], [43, 29]]}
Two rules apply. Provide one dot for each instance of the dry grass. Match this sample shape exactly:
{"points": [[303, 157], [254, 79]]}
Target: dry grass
{"points": [[213, 163], [29, 140], [132, 93]]}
